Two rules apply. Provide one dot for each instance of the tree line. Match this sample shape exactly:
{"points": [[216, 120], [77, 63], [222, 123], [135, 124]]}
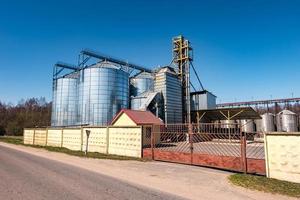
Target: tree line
{"points": [[295, 107], [33, 112], [36, 112]]}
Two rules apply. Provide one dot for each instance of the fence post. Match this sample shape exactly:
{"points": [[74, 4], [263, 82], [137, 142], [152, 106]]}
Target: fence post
{"points": [[88, 132], [244, 152], [62, 137], [152, 143], [46, 136], [107, 140], [81, 132], [33, 139], [190, 133]]}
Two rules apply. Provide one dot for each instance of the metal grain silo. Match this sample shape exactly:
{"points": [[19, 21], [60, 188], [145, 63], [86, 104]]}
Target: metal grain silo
{"points": [[64, 102], [103, 91], [137, 102], [140, 83], [247, 125], [287, 121], [168, 85], [268, 122]]}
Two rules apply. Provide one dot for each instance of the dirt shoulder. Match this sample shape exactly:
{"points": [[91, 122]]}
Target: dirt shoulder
{"points": [[182, 180]]}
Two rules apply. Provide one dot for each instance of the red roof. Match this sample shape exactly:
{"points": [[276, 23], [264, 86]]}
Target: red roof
{"points": [[139, 117]]}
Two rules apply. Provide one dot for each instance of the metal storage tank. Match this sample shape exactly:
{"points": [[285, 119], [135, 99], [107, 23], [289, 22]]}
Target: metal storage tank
{"points": [[64, 102], [168, 85], [287, 121], [228, 124], [247, 125], [258, 125], [140, 83], [137, 102], [268, 123], [216, 123], [103, 92], [278, 123]]}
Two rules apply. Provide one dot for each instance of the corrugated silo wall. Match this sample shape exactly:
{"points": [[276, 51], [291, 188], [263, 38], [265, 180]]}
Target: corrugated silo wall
{"points": [[103, 92], [64, 104], [142, 83], [170, 87]]}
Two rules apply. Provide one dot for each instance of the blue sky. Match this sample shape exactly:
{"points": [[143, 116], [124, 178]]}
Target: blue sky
{"points": [[243, 50]]}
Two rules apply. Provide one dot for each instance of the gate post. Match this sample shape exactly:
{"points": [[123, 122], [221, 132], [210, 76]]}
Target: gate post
{"points": [[244, 152]]}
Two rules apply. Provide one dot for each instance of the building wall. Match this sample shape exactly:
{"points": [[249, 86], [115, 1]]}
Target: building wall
{"points": [[124, 120], [147, 129], [211, 101], [203, 101], [283, 156]]}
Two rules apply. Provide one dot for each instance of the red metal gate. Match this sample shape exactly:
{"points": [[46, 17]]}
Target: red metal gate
{"points": [[214, 145]]}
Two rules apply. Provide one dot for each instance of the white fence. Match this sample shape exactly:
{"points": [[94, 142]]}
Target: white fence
{"points": [[123, 141], [283, 156]]}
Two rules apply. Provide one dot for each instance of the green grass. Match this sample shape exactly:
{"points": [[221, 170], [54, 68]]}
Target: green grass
{"points": [[264, 184], [19, 141], [12, 139]]}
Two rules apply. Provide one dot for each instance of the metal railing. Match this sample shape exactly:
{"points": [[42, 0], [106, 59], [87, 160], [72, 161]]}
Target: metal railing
{"points": [[206, 140], [216, 139]]}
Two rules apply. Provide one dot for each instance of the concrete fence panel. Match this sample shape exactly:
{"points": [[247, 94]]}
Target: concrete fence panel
{"points": [[54, 137], [72, 138], [125, 141], [40, 137], [283, 156], [97, 139], [28, 136]]}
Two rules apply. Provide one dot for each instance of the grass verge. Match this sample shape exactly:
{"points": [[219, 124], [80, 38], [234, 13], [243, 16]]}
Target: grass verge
{"points": [[12, 140], [19, 141], [264, 184]]}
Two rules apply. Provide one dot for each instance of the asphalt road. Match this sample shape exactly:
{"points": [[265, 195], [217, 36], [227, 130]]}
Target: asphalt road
{"points": [[25, 176]]}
